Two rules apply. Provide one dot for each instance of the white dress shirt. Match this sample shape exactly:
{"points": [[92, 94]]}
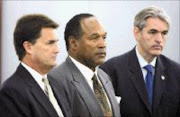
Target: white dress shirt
{"points": [[37, 76], [143, 63]]}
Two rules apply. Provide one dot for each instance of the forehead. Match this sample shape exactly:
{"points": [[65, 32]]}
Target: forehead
{"points": [[156, 23], [92, 25], [47, 34], [47, 30]]}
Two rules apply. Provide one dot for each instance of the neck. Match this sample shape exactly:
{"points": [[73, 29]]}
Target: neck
{"points": [[37, 67], [147, 57]]}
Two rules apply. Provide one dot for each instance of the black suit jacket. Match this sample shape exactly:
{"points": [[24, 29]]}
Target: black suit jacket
{"points": [[129, 83], [80, 96], [21, 96]]}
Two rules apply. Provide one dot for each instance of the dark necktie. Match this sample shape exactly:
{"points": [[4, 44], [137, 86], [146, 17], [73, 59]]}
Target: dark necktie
{"points": [[101, 97], [149, 82]]}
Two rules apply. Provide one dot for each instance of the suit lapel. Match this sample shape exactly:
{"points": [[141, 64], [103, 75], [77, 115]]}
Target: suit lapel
{"points": [[44, 101], [160, 80], [137, 78], [59, 96], [37, 92], [84, 90]]}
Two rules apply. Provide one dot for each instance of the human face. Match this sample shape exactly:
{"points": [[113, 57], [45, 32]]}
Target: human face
{"points": [[91, 47], [45, 50], [151, 40]]}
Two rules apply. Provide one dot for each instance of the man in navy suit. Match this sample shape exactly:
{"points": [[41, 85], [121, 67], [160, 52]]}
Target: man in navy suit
{"points": [[144, 93], [29, 92]]}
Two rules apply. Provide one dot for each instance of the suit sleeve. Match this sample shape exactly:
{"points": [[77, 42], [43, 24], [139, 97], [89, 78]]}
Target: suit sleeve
{"points": [[9, 106]]}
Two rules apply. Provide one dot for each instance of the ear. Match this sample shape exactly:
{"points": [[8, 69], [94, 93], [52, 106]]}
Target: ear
{"points": [[136, 32], [28, 47], [73, 43]]}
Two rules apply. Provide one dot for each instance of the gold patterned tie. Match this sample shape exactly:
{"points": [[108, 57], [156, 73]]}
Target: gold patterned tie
{"points": [[49, 93], [101, 97]]}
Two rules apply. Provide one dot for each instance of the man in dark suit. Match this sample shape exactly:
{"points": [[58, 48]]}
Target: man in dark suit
{"points": [[153, 90], [79, 74], [29, 92]]}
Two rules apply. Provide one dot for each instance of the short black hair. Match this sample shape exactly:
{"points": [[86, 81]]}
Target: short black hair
{"points": [[73, 27], [28, 28]]}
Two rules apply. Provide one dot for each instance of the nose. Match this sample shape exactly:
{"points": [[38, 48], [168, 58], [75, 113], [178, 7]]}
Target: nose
{"points": [[56, 48], [102, 43], [159, 38]]}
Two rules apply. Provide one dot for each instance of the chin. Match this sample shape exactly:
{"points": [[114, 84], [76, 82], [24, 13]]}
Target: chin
{"points": [[53, 65], [100, 62], [156, 53]]}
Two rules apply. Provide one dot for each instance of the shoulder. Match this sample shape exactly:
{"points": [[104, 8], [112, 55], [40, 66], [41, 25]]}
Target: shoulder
{"points": [[117, 61], [62, 74], [101, 72], [14, 94], [117, 58], [59, 70], [170, 64], [13, 82], [13, 87], [104, 76], [17, 81]]}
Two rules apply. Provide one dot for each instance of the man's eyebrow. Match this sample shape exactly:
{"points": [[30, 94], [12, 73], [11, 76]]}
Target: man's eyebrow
{"points": [[153, 30], [166, 31], [52, 40], [95, 34]]}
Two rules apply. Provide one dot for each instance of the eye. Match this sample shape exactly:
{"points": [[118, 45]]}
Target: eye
{"points": [[50, 42], [152, 32], [164, 33], [94, 37]]}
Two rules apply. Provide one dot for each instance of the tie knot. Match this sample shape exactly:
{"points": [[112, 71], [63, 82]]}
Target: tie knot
{"points": [[149, 68], [94, 78], [45, 80]]}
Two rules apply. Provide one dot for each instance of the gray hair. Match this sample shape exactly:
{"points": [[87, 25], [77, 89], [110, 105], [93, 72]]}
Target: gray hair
{"points": [[152, 11]]}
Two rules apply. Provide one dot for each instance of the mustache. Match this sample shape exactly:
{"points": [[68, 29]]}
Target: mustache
{"points": [[101, 51]]}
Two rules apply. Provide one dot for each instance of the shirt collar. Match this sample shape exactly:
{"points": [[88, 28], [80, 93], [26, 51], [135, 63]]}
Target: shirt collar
{"points": [[86, 71], [142, 61], [37, 76]]}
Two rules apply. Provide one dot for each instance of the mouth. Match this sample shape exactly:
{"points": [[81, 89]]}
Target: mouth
{"points": [[101, 54], [157, 47], [54, 57]]}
